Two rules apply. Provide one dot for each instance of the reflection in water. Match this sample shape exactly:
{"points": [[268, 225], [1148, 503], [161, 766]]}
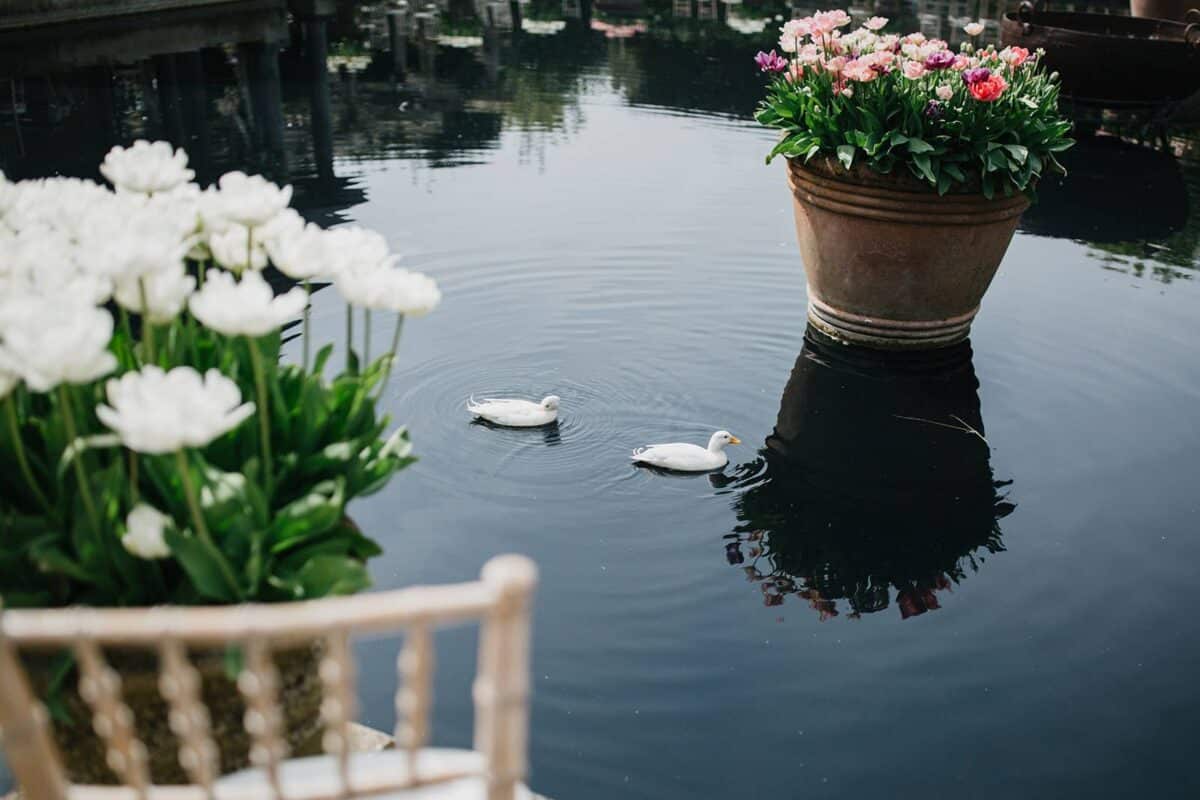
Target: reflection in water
{"points": [[876, 480], [291, 94]]}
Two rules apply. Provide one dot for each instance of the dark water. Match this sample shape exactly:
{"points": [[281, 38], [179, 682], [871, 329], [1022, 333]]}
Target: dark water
{"points": [[969, 574]]}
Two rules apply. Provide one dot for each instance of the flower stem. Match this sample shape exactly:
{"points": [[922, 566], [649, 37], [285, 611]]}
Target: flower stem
{"points": [[85, 491], [304, 333], [133, 477], [22, 461], [387, 370], [349, 333], [366, 336], [147, 325], [264, 422], [249, 247], [189, 491]]}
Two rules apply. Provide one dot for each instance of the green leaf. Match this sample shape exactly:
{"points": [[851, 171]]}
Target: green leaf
{"points": [[924, 169], [1017, 152], [210, 573], [845, 154], [309, 516], [919, 146], [326, 576], [322, 356]]}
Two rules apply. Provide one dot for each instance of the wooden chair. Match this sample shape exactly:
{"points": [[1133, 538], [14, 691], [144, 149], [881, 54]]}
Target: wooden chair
{"points": [[494, 769]]}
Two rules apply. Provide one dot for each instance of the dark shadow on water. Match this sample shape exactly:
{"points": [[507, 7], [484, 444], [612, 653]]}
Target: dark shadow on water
{"points": [[875, 486], [551, 433]]}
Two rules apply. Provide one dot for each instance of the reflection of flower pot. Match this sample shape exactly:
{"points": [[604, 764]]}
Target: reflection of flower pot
{"points": [[872, 482], [1113, 191], [83, 752], [890, 263], [1161, 9]]}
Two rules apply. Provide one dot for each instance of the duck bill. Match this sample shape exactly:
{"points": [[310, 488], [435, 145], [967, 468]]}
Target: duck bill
{"points": [[734, 440]]}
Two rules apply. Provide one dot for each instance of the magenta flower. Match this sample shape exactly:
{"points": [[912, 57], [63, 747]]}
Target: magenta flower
{"points": [[770, 62], [939, 60], [976, 75]]}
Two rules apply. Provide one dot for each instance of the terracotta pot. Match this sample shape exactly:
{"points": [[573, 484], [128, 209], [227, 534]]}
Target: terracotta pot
{"points": [[1161, 9], [83, 752], [890, 263]]}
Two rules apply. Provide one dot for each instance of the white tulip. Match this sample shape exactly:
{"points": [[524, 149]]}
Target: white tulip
{"points": [[162, 412], [390, 289], [247, 307], [146, 167], [236, 250], [355, 249], [301, 254], [286, 223], [124, 242], [39, 261], [159, 295], [251, 200], [51, 341], [144, 537], [59, 204]]}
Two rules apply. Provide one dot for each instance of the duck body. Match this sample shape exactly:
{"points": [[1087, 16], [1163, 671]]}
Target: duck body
{"points": [[684, 457], [515, 413]]}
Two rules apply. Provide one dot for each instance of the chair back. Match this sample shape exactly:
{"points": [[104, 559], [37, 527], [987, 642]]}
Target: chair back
{"points": [[500, 600]]}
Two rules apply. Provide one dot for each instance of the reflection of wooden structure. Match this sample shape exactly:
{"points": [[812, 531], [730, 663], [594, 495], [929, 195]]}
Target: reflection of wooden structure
{"points": [[494, 769], [93, 39]]}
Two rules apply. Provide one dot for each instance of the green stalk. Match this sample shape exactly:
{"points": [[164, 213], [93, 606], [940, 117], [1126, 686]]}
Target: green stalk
{"points": [[85, 491], [387, 370], [349, 332], [133, 477], [249, 248], [22, 461], [305, 331], [147, 325], [189, 491], [264, 423], [366, 336]]}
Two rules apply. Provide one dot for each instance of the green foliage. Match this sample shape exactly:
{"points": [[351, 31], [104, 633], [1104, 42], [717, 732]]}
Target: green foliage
{"points": [[277, 537], [893, 122]]}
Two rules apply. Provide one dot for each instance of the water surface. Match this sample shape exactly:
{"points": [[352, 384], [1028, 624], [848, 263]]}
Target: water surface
{"points": [[961, 575]]}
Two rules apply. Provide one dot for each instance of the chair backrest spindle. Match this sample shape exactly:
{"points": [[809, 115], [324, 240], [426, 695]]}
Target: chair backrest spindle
{"points": [[179, 683], [338, 707], [100, 687], [414, 696], [258, 683]]}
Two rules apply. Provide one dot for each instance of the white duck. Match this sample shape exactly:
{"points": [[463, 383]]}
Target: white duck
{"points": [[688, 457], [514, 413]]}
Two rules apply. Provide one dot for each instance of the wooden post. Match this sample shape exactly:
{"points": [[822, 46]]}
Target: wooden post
{"points": [[501, 688], [397, 21], [25, 731], [320, 109]]}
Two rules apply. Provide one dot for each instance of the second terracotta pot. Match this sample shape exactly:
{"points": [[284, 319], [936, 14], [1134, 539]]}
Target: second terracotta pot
{"points": [[890, 263]]}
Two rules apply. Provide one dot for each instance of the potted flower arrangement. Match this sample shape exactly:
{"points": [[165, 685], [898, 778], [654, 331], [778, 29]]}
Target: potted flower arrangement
{"points": [[154, 447], [910, 165]]}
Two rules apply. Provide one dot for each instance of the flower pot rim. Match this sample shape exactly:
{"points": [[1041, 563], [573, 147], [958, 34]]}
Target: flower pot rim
{"points": [[898, 182]]}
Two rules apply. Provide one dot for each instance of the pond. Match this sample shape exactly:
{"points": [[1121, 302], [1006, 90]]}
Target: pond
{"points": [[958, 574]]}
